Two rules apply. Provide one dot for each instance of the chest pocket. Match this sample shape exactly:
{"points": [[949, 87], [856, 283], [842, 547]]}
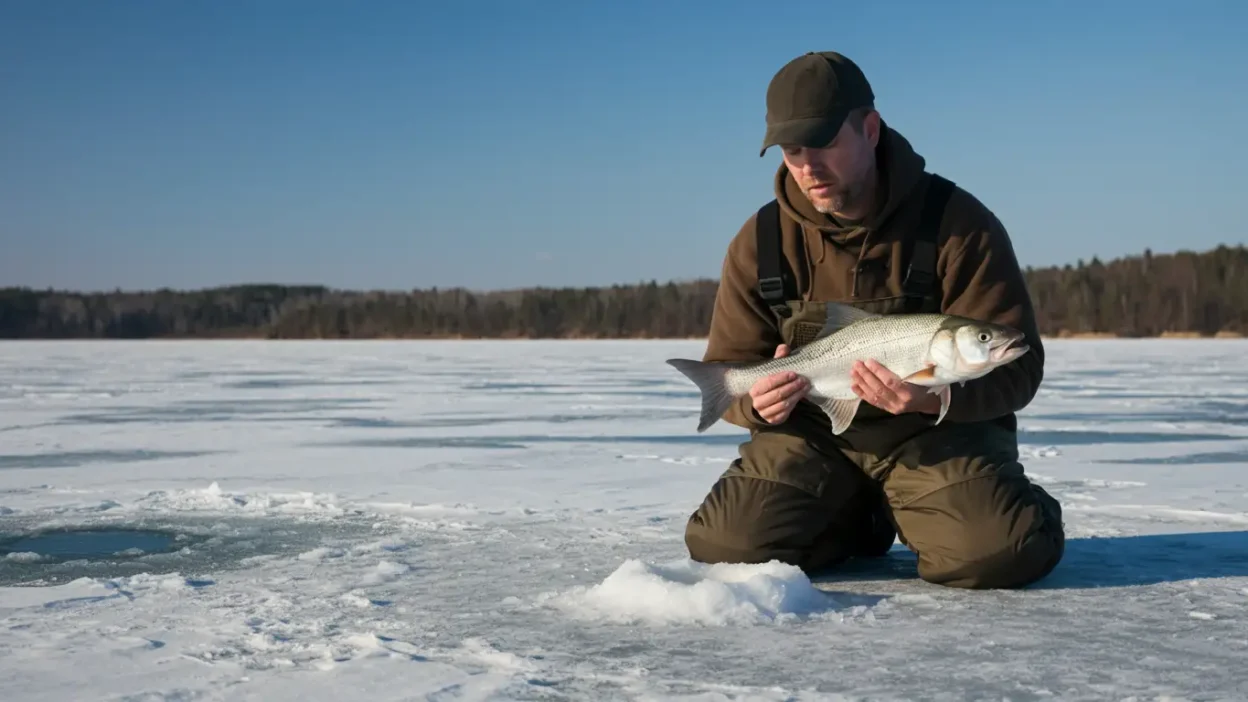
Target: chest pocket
{"points": [[803, 325]]}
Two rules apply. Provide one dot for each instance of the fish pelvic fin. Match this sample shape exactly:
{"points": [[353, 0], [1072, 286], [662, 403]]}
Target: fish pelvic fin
{"points": [[838, 316], [943, 392], [711, 379], [840, 412]]}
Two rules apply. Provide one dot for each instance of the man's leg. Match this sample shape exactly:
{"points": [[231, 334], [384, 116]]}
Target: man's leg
{"points": [[961, 502], [784, 500]]}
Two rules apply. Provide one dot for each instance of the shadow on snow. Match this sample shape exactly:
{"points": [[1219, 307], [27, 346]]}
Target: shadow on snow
{"points": [[1092, 562], [1119, 561]]}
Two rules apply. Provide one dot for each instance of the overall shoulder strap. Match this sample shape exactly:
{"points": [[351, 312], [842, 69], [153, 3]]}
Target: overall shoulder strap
{"points": [[771, 285], [921, 273]]}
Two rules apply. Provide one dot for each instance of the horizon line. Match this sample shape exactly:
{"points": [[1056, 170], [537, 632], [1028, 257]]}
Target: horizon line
{"points": [[520, 289]]}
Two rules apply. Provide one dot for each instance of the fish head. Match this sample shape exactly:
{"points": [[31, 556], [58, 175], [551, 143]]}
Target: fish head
{"points": [[966, 349]]}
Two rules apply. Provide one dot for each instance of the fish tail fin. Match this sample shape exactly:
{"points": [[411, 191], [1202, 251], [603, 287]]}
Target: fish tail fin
{"points": [[711, 377]]}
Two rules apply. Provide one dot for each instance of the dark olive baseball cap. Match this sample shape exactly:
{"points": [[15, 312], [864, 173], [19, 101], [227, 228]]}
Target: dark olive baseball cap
{"points": [[810, 97]]}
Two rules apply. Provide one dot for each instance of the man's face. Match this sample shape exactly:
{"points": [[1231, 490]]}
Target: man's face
{"points": [[835, 178]]}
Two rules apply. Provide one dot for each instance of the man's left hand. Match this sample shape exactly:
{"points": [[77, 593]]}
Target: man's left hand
{"points": [[884, 389]]}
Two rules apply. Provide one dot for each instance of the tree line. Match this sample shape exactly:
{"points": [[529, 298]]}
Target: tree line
{"points": [[1187, 292]]}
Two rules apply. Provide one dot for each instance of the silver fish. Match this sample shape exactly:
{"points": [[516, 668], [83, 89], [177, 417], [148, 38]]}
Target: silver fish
{"points": [[931, 350]]}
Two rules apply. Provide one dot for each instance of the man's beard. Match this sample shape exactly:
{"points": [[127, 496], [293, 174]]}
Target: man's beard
{"points": [[841, 198]]}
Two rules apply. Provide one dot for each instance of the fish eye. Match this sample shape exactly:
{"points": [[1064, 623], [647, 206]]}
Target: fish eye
{"points": [[984, 337]]}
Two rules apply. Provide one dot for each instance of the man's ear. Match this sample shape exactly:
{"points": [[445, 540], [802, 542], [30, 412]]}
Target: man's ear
{"points": [[871, 127]]}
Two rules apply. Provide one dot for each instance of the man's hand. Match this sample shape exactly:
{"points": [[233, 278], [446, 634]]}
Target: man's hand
{"points": [[884, 389], [776, 395]]}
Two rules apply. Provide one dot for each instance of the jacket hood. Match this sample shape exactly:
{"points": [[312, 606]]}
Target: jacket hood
{"points": [[900, 170]]}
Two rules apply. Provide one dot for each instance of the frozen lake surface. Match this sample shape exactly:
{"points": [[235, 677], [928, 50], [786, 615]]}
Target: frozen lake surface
{"points": [[503, 520]]}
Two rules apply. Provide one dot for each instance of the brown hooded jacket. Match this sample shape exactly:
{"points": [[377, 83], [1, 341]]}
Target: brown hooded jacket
{"points": [[978, 272]]}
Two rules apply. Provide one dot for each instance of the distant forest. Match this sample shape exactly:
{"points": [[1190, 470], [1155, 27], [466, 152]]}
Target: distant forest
{"points": [[1185, 294]]}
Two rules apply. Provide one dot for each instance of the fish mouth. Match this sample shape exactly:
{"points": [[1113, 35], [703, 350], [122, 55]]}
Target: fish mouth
{"points": [[1009, 348]]}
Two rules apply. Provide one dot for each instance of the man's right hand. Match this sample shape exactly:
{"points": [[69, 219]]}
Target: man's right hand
{"points": [[776, 395]]}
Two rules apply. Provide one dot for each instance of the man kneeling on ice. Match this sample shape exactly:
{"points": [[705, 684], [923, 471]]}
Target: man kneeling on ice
{"points": [[845, 456]]}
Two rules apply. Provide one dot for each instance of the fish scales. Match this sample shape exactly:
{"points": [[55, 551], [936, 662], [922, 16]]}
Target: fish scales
{"points": [[898, 343]]}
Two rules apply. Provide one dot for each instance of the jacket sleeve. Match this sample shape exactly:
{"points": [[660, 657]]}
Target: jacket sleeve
{"points": [[742, 327], [982, 280]]}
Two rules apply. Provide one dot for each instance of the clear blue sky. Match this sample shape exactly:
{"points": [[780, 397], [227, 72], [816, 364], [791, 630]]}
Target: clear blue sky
{"points": [[499, 144]]}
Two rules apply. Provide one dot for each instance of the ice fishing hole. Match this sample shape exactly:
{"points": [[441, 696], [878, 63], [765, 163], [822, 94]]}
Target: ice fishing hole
{"points": [[73, 544], [195, 546]]}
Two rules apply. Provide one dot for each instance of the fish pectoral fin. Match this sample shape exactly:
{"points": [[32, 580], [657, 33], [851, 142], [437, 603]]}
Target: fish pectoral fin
{"points": [[841, 412], [943, 391], [838, 316], [928, 373]]}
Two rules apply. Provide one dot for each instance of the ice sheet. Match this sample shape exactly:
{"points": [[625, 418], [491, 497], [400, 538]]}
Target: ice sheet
{"points": [[503, 520]]}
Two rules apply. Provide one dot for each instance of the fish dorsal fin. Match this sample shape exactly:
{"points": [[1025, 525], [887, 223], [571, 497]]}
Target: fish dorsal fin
{"points": [[840, 316]]}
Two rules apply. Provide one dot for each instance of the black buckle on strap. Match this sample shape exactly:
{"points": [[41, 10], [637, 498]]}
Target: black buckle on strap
{"points": [[772, 289]]}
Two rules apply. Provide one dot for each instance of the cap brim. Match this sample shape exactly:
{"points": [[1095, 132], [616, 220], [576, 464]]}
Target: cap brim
{"points": [[812, 132]]}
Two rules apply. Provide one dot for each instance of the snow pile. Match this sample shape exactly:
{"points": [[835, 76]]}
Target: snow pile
{"points": [[688, 592]]}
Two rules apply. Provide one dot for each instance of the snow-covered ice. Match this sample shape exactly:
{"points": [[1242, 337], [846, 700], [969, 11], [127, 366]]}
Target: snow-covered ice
{"points": [[503, 520]]}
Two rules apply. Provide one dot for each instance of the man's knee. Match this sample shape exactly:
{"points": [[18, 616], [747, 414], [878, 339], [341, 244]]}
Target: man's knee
{"points": [[974, 518], [781, 500], [749, 520], [985, 533]]}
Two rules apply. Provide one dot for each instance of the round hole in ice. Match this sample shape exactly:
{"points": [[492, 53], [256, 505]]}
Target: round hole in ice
{"points": [[195, 546], [73, 544]]}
